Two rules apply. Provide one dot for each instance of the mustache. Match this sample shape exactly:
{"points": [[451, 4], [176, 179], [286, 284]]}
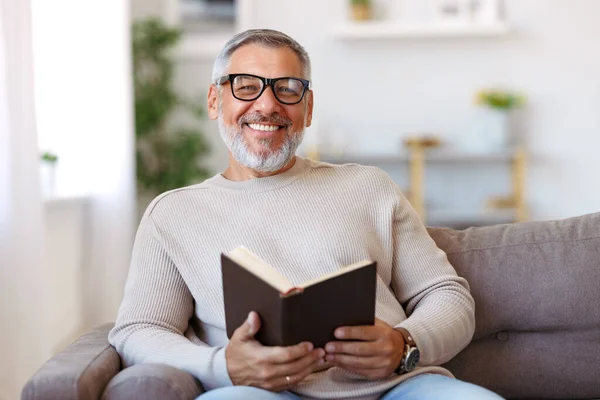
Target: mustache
{"points": [[257, 118]]}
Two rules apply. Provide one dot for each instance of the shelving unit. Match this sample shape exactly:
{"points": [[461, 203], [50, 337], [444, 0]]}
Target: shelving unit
{"points": [[466, 218], [206, 46], [389, 30], [505, 209]]}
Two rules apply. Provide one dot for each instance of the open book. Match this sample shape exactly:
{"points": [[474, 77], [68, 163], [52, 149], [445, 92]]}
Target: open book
{"points": [[291, 313]]}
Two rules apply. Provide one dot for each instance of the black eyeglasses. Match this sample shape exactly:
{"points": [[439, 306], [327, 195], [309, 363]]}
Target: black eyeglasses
{"points": [[247, 87]]}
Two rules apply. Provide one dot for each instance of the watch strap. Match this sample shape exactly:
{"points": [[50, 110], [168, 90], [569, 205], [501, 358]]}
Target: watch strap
{"points": [[408, 339], [409, 343]]}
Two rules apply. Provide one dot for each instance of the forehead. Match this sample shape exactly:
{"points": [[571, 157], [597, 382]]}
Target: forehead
{"points": [[268, 62]]}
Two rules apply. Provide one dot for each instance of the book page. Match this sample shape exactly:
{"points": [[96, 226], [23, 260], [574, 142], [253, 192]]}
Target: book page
{"points": [[339, 272], [257, 266]]}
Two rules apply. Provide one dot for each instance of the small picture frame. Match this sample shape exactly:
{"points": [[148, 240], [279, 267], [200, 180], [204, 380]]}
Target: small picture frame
{"points": [[485, 11], [453, 12], [465, 12]]}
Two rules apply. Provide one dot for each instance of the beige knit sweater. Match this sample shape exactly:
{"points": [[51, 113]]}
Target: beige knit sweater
{"points": [[307, 221]]}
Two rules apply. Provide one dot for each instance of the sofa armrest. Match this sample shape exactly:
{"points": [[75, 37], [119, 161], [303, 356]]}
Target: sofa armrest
{"points": [[81, 371]]}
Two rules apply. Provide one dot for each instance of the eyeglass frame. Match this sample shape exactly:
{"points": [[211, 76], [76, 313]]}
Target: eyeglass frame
{"points": [[266, 83]]}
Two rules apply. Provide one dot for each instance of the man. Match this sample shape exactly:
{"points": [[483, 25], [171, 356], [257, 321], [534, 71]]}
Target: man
{"points": [[305, 218]]}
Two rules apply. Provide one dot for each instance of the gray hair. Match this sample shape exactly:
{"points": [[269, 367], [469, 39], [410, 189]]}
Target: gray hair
{"points": [[265, 37]]}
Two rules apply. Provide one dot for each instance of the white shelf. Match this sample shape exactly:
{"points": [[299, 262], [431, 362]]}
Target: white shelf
{"points": [[431, 156], [388, 30]]}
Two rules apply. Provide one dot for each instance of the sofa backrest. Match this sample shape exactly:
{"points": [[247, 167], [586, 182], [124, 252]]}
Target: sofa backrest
{"points": [[536, 287]]}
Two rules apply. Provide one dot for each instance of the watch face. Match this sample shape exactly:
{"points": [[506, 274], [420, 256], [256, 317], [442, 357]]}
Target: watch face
{"points": [[412, 359]]}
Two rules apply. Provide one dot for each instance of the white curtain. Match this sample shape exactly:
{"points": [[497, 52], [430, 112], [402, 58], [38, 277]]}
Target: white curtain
{"points": [[85, 112], [80, 59], [23, 346]]}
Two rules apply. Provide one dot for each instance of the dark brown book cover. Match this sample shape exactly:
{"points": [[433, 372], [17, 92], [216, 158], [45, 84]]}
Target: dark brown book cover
{"points": [[309, 315]]}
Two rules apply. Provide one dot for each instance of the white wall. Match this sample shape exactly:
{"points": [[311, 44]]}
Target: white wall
{"points": [[146, 8], [377, 91]]}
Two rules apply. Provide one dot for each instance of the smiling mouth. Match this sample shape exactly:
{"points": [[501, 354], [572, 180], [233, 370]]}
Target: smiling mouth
{"points": [[264, 128]]}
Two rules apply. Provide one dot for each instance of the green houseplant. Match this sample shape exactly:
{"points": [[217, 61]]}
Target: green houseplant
{"points": [[502, 100], [49, 157], [167, 156]]}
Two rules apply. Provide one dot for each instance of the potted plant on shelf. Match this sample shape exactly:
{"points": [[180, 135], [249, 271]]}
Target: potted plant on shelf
{"points": [[361, 10], [498, 107], [48, 162]]}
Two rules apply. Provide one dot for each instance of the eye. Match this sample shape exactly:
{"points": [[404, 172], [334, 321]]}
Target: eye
{"points": [[287, 90], [248, 87]]}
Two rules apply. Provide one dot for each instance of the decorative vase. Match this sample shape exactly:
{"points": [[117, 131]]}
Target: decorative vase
{"points": [[495, 129], [361, 12], [47, 179], [491, 132]]}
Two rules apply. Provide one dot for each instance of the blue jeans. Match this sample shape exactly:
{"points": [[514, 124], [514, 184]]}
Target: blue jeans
{"points": [[420, 387]]}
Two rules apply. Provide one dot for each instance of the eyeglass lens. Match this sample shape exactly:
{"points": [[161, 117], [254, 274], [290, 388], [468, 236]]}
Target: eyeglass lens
{"points": [[249, 88]]}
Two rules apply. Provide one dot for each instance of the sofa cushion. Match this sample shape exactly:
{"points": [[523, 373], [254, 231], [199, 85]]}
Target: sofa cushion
{"points": [[536, 287], [153, 381]]}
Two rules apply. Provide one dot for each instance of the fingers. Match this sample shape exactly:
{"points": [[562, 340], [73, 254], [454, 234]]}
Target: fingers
{"points": [[367, 332], [355, 348], [283, 355], [376, 355], [309, 361], [285, 382], [299, 376], [274, 377], [322, 365], [251, 364], [248, 329]]}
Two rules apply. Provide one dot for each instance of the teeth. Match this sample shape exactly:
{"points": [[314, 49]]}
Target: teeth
{"points": [[266, 128]]}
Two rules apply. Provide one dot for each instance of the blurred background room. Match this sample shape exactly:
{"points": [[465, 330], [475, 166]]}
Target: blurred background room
{"points": [[483, 111]]}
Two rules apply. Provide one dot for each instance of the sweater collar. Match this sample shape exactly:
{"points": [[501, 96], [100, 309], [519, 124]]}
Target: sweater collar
{"points": [[300, 167]]}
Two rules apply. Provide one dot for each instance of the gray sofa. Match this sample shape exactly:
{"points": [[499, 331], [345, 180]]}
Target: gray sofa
{"points": [[537, 291]]}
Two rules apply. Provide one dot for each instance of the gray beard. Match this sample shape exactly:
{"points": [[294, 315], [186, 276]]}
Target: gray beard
{"points": [[267, 160]]}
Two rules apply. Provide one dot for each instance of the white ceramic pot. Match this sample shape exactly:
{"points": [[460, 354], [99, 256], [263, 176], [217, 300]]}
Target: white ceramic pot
{"points": [[47, 179], [497, 132]]}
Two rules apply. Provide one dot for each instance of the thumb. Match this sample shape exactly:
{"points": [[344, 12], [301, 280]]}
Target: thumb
{"points": [[249, 328]]}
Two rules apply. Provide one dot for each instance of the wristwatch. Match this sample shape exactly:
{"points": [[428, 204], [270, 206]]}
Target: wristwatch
{"points": [[411, 355]]}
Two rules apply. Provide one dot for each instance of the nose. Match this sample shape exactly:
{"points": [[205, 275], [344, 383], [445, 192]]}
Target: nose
{"points": [[267, 104]]}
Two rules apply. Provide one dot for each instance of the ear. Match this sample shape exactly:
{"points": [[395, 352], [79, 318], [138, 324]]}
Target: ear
{"points": [[213, 102], [309, 109]]}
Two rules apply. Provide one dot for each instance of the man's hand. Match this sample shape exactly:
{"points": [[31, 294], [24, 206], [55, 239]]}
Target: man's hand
{"points": [[376, 355], [271, 368]]}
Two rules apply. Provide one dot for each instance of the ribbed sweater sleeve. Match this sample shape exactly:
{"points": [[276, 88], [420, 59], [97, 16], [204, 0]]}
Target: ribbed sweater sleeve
{"points": [[439, 307], [154, 315]]}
